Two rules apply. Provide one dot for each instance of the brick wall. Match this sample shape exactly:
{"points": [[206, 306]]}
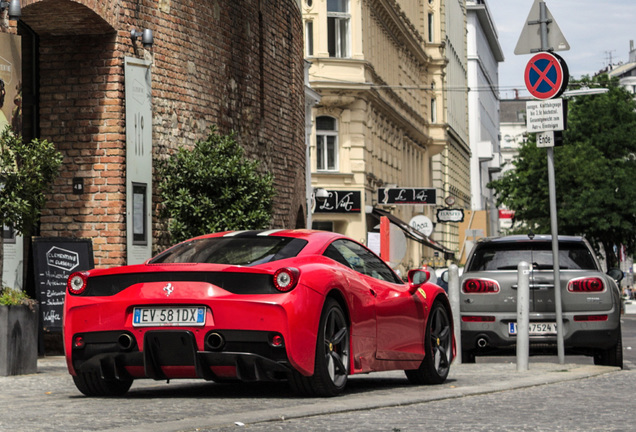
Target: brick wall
{"points": [[81, 96], [236, 64]]}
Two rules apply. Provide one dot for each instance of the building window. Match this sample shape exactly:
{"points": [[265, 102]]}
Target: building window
{"points": [[338, 28], [326, 144], [309, 39], [431, 36], [433, 110]]}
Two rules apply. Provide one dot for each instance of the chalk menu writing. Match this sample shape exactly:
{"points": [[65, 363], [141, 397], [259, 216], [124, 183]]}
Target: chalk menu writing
{"points": [[55, 259]]}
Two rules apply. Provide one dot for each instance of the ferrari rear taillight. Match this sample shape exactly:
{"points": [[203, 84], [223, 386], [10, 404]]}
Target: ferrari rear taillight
{"points": [[76, 283], [588, 284], [480, 286], [285, 279]]}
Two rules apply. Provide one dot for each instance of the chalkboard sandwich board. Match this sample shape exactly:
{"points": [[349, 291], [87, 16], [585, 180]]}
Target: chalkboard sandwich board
{"points": [[54, 259]]}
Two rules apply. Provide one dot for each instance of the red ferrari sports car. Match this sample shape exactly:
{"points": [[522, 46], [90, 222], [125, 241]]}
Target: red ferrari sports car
{"points": [[310, 307]]}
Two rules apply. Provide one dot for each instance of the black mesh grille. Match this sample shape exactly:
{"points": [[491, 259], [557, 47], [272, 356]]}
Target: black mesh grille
{"points": [[237, 283]]}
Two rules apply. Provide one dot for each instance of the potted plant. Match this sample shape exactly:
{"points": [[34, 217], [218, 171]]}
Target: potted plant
{"points": [[18, 333], [27, 170]]}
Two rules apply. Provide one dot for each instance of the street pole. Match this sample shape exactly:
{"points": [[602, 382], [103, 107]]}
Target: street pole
{"points": [[453, 298], [543, 21], [523, 315]]}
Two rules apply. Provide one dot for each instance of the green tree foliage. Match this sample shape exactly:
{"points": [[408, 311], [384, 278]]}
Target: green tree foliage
{"points": [[213, 188], [27, 169], [595, 173]]}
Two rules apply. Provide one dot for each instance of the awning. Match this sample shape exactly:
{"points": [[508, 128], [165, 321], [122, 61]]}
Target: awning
{"points": [[411, 232]]}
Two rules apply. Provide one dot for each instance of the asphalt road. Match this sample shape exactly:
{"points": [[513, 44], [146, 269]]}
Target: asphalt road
{"points": [[601, 403], [48, 401]]}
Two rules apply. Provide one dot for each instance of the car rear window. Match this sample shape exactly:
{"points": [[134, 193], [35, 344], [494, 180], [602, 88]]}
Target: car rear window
{"points": [[246, 251], [507, 256]]}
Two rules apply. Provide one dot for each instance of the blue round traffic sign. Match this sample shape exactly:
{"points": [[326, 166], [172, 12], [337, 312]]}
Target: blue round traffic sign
{"points": [[546, 75]]}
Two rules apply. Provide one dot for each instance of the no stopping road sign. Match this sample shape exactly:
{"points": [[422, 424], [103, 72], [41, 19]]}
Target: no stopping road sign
{"points": [[546, 75]]}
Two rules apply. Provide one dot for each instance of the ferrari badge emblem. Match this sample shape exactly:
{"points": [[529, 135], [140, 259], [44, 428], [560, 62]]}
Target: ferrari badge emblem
{"points": [[422, 292], [168, 289]]}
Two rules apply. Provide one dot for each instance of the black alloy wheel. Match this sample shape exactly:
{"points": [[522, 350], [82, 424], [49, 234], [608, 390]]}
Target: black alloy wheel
{"points": [[438, 342], [331, 368]]}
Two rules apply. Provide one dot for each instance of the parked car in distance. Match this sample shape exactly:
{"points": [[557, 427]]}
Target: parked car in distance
{"points": [[591, 299], [310, 307], [442, 276]]}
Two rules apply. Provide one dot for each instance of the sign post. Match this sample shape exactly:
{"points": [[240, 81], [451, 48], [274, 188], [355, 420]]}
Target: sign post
{"points": [[546, 77]]}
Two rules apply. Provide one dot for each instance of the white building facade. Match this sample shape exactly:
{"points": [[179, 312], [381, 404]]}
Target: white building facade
{"points": [[484, 56], [376, 66], [451, 168]]}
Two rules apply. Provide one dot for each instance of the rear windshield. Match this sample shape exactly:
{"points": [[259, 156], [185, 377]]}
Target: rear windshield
{"points": [[245, 251], [507, 256]]}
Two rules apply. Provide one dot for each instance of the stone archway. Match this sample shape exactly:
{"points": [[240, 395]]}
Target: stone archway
{"points": [[70, 17]]}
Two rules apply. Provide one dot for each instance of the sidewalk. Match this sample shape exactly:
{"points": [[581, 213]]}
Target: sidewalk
{"points": [[49, 400]]}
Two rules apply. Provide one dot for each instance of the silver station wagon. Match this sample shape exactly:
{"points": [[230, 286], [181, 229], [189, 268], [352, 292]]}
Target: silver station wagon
{"points": [[591, 303]]}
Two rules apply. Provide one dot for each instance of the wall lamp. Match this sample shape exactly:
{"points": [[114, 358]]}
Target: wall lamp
{"points": [[321, 195], [146, 37], [15, 10]]}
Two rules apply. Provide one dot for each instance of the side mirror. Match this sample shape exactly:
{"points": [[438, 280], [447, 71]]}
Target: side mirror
{"points": [[444, 276], [417, 277], [616, 274]]}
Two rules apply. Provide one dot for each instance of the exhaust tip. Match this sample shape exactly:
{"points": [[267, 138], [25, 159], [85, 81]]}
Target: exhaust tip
{"points": [[482, 342], [125, 341], [215, 341]]}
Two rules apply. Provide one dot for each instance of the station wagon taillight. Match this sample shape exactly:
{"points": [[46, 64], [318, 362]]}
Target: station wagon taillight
{"points": [[585, 285], [480, 286]]}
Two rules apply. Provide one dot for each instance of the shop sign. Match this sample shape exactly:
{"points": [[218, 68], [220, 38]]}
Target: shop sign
{"points": [[406, 196], [340, 202], [450, 215], [506, 214]]}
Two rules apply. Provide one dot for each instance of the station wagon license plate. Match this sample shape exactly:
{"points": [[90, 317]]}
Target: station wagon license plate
{"points": [[536, 328], [168, 316]]}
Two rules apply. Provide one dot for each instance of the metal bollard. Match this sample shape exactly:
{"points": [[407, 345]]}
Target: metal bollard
{"points": [[453, 297], [523, 315]]}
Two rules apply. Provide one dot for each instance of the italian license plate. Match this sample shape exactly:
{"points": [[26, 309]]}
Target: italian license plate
{"points": [[536, 328], [169, 316]]}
